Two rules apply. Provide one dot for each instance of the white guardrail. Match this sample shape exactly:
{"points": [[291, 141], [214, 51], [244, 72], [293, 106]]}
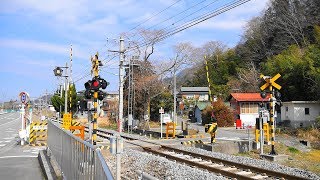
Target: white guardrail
{"points": [[77, 159]]}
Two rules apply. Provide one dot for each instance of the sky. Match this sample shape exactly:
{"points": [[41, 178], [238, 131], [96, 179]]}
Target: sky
{"points": [[36, 36]]}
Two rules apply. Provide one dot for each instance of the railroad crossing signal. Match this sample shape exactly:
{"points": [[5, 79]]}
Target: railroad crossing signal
{"points": [[270, 82], [94, 85]]}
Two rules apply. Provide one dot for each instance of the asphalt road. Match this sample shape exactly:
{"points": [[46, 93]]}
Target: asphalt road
{"points": [[223, 133], [16, 161]]}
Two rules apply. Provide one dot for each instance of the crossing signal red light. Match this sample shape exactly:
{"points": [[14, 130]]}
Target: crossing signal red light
{"points": [[101, 95], [95, 84]]}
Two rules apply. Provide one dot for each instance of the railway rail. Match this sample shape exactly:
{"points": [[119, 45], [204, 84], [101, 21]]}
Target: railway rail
{"points": [[225, 168]]}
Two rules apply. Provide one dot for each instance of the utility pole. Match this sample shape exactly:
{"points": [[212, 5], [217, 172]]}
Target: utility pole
{"points": [[121, 74], [70, 77], [121, 82], [174, 94], [46, 103], [60, 86], [66, 91], [129, 97]]}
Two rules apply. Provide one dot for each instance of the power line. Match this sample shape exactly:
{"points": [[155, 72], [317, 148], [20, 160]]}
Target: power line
{"points": [[180, 14], [176, 15], [194, 21], [154, 15]]}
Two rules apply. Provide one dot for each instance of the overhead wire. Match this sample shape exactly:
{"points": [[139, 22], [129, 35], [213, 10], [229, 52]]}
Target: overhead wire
{"points": [[195, 21], [176, 15], [154, 15], [183, 17]]}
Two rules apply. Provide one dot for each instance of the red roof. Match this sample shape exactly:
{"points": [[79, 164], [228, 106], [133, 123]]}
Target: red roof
{"points": [[250, 97]]}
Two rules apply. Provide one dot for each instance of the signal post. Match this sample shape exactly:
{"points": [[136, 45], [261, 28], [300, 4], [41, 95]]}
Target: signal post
{"points": [[93, 91], [274, 95]]}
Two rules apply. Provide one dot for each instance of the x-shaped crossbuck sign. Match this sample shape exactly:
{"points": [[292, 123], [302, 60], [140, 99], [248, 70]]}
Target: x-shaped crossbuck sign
{"points": [[270, 81]]}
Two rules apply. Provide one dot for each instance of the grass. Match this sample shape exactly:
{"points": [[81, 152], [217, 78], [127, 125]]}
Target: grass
{"points": [[293, 150], [309, 161]]}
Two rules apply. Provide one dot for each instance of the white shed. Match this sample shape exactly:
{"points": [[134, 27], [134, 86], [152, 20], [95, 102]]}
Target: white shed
{"points": [[300, 113]]}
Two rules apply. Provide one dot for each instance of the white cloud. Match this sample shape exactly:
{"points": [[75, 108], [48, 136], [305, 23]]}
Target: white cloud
{"points": [[37, 46]]}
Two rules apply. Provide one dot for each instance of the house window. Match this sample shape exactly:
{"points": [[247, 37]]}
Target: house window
{"points": [[306, 111], [249, 108]]}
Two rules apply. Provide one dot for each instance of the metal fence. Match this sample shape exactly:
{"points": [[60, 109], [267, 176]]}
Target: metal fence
{"points": [[77, 159]]}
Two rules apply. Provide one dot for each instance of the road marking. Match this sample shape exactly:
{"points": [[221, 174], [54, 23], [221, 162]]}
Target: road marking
{"points": [[9, 131], [1, 145], [6, 157], [6, 141], [26, 150], [9, 122], [8, 138]]}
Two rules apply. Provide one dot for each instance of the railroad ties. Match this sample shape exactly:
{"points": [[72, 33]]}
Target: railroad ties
{"points": [[221, 167]]}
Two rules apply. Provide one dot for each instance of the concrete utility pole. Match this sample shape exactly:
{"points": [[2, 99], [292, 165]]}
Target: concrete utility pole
{"points": [[66, 91], [47, 106], [174, 94], [121, 82], [60, 86]]}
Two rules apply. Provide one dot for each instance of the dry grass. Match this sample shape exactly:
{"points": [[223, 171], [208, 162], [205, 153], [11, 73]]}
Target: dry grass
{"points": [[309, 134], [309, 161], [154, 124]]}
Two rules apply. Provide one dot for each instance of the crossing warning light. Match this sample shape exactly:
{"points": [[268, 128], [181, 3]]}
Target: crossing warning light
{"points": [[95, 84]]}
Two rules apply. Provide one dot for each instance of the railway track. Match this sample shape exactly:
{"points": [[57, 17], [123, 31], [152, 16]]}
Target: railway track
{"points": [[225, 168], [219, 166]]}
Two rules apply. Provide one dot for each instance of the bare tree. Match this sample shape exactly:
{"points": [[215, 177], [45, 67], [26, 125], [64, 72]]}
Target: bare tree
{"points": [[249, 78]]}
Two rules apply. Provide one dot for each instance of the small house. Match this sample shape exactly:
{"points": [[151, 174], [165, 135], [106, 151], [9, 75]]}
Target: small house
{"points": [[193, 99], [300, 113], [246, 105]]}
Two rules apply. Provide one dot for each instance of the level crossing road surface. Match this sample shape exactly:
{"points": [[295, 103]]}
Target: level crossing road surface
{"points": [[16, 161], [223, 133]]}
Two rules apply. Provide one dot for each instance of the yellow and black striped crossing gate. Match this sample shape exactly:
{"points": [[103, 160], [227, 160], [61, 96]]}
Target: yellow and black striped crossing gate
{"points": [[38, 133], [211, 129]]}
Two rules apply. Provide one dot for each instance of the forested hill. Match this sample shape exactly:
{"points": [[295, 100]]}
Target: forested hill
{"points": [[284, 39]]}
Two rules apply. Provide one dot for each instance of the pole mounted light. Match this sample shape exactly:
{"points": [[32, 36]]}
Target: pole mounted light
{"points": [[58, 71]]}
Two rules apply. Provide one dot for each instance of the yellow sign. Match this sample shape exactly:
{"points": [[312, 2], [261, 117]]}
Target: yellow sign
{"points": [[270, 82], [66, 121]]}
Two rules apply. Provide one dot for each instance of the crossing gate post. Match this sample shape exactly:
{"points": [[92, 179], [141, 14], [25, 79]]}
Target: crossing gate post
{"points": [[211, 129]]}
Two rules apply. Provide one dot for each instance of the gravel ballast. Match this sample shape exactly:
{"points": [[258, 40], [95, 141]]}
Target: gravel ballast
{"points": [[255, 162], [133, 161], [159, 167]]}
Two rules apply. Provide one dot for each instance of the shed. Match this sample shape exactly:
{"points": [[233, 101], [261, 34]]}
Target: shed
{"points": [[300, 113]]}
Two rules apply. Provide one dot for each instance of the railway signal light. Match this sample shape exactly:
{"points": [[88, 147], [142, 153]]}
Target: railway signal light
{"points": [[101, 95], [263, 94], [104, 83], [277, 94], [88, 94], [95, 84]]}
